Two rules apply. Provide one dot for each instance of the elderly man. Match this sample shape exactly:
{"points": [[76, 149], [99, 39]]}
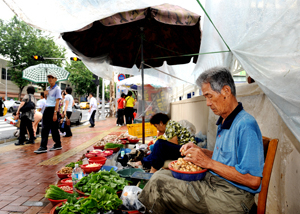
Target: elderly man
{"points": [[50, 116], [234, 167]]}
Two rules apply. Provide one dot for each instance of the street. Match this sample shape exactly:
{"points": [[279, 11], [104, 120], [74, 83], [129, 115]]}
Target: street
{"points": [[7, 130]]}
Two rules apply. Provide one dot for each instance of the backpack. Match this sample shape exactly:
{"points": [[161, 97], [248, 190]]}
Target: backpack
{"points": [[28, 106]]}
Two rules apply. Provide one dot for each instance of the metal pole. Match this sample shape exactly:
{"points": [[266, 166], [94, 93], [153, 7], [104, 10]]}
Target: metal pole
{"points": [[97, 97], [6, 84], [103, 102], [142, 74]]}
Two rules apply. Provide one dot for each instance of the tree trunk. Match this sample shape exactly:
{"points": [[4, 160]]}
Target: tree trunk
{"points": [[20, 92]]}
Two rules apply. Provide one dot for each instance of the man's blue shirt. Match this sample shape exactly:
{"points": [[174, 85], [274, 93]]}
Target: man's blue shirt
{"points": [[53, 94], [239, 144]]}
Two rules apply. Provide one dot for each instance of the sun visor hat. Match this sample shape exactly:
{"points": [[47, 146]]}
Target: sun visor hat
{"points": [[52, 75]]}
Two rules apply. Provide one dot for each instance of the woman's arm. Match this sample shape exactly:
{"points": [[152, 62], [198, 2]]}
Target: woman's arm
{"points": [[66, 106]]}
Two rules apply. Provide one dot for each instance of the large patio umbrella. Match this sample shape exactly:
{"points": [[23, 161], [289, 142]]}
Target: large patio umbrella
{"points": [[143, 35], [38, 73]]}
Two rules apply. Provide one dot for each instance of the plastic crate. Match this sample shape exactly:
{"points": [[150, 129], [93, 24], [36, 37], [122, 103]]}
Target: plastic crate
{"points": [[136, 130]]}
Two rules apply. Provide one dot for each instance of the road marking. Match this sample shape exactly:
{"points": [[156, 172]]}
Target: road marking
{"points": [[59, 158], [6, 129]]}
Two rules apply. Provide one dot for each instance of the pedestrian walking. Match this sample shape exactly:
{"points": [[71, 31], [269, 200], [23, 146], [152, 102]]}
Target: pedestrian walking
{"points": [[1, 107], [92, 111], [41, 104], [67, 110], [121, 107], [50, 116], [27, 109], [40, 107], [129, 108]]}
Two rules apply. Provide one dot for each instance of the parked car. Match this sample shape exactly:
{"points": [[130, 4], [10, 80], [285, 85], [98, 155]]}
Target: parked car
{"points": [[84, 105], [76, 115], [12, 105]]}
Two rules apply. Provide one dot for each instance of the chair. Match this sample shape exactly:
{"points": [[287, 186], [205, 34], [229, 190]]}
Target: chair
{"points": [[270, 146]]}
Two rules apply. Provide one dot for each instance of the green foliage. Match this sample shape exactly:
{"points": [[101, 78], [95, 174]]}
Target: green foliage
{"points": [[102, 199], [57, 193], [103, 178], [81, 77], [19, 42]]}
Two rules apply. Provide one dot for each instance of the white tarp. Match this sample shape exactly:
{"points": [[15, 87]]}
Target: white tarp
{"points": [[264, 37]]}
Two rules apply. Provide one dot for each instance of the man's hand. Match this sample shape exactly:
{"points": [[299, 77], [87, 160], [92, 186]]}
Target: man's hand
{"points": [[63, 115], [46, 92], [197, 156], [54, 117], [187, 146], [90, 110]]}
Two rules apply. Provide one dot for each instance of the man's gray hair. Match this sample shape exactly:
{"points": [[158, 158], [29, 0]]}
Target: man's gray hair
{"points": [[217, 77]]}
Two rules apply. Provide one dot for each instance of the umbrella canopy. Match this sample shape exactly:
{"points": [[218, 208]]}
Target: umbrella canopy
{"points": [[168, 30], [38, 73]]}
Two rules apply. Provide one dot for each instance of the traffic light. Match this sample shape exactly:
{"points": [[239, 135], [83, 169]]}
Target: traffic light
{"points": [[38, 58], [75, 59], [95, 79]]}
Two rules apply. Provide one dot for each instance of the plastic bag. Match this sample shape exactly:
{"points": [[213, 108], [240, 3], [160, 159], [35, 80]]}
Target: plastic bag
{"points": [[130, 198], [188, 125]]}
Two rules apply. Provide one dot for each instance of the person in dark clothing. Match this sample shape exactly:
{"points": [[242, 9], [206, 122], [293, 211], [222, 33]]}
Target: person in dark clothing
{"points": [[121, 106], [92, 111], [50, 116], [67, 110], [1, 106], [166, 148], [26, 118], [130, 102]]}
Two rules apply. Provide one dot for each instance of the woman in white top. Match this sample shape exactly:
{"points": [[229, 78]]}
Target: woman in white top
{"points": [[67, 109]]}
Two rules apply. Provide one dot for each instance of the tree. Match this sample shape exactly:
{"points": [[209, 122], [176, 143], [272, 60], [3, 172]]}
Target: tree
{"points": [[81, 77], [19, 41]]}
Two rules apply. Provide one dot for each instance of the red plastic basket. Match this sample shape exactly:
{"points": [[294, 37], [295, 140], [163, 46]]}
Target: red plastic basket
{"points": [[90, 169]]}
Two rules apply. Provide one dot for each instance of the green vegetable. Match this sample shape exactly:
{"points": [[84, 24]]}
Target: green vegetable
{"points": [[103, 178], [112, 146], [103, 198], [57, 193], [72, 164]]}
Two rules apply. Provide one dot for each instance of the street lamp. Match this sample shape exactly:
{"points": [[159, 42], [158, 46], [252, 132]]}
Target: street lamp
{"points": [[24, 63]]}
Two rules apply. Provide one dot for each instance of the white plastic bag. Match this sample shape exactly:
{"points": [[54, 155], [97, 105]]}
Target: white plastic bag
{"points": [[130, 198], [189, 126]]}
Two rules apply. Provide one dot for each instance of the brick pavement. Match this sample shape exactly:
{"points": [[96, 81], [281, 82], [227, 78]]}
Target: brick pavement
{"points": [[23, 180]]}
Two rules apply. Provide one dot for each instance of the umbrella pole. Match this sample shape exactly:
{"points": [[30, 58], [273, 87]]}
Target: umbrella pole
{"points": [[142, 74]]}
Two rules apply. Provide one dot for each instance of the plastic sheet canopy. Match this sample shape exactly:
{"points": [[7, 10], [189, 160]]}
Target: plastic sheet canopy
{"points": [[264, 37], [157, 100]]}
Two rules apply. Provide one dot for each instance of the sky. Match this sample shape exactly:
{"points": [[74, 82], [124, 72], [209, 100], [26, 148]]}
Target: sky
{"points": [[6, 14]]}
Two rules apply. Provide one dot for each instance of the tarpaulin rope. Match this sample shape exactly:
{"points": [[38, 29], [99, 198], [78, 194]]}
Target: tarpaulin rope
{"points": [[213, 24]]}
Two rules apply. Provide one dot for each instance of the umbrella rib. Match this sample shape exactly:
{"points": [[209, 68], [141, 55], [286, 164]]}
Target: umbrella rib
{"points": [[162, 47], [184, 55], [169, 74]]}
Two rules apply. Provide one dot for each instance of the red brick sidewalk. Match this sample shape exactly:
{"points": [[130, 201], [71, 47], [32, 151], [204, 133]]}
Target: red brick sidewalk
{"points": [[23, 181]]}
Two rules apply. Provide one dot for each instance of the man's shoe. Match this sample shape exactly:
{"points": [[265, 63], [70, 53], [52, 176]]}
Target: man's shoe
{"points": [[91, 126], [55, 148], [30, 142], [40, 150], [19, 144], [68, 135]]}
